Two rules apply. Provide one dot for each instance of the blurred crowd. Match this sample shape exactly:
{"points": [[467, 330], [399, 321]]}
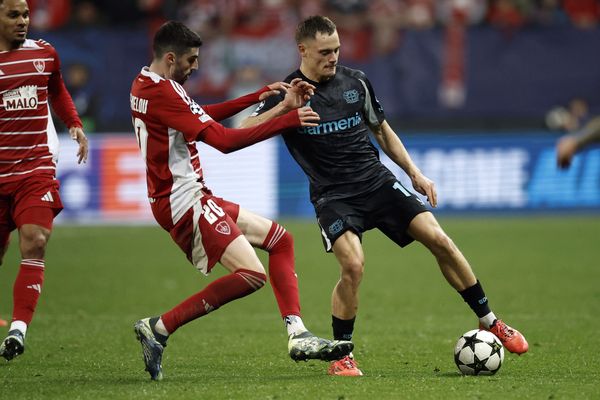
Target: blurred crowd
{"points": [[262, 17], [243, 37]]}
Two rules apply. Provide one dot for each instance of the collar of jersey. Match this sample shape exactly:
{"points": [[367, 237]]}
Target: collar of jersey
{"points": [[152, 75]]}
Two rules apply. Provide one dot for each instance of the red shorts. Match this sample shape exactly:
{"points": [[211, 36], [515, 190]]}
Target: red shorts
{"points": [[28, 201], [205, 231]]}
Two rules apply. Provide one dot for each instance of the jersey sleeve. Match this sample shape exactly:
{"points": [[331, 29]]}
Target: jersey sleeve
{"points": [[372, 109], [228, 140], [60, 99], [180, 112], [227, 109], [267, 104]]}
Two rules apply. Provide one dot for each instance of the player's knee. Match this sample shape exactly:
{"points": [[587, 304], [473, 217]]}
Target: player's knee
{"points": [[441, 244], [352, 271], [33, 245]]}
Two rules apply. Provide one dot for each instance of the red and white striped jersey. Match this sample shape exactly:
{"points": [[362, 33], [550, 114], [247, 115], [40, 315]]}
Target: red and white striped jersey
{"points": [[167, 123], [29, 78]]}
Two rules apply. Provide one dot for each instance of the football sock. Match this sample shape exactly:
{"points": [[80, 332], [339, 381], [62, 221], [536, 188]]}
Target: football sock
{"points": [[280, 245], [159, 330], [20, 326], [27, 289], [476, 299], [294, 324], [219, 292], [342, 328], [488, 320]]}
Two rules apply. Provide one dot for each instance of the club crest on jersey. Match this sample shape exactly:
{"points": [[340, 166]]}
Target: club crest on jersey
{"points": [[351, 96], [223, 227], [23, 98], [39, 65], [196, 109]]}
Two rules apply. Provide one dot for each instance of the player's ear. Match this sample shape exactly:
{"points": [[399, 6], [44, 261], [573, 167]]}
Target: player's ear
{"points": [[170, 58], [301, 49]]}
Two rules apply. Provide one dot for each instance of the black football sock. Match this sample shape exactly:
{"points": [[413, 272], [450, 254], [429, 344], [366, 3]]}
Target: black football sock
{"points": [[476, 299], [342, 328]]}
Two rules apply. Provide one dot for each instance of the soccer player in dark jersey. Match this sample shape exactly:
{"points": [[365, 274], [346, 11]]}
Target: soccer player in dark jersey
{"points": [[207, 228], [352, 191], [30, 81]]}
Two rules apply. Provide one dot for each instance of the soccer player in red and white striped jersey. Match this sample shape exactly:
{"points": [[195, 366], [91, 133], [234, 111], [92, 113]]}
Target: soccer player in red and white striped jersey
{"points": [[209, 229], [30, 80]]}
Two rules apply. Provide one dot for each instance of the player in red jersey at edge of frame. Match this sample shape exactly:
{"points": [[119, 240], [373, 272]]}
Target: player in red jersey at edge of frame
{"points": [[30, 80]]}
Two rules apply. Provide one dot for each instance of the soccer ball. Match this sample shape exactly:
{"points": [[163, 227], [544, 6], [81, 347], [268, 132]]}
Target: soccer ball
{"points": [[478, 352]]}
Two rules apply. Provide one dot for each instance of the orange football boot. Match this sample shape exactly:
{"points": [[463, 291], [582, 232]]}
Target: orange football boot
{"points": [[511, 338], [344, 367]]}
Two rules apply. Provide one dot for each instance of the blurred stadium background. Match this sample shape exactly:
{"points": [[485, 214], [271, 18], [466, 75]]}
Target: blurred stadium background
{"points": [[479, 91]]}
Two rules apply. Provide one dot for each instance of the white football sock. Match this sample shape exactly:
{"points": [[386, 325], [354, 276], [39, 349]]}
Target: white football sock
{"points": [[294, 324], [488, 319], [161, 328], [19, 325]]}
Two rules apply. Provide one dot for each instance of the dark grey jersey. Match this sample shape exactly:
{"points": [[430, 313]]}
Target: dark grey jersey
{"points": [[338, 156]]}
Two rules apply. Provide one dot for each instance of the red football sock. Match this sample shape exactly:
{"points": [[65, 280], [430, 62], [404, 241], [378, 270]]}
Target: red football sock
{"points": [[27, 289], [280, 245], [225, 289]]}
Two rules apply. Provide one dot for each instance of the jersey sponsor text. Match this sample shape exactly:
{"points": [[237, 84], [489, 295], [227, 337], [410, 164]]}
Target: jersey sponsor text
{"points": [[22, 98], [326, 128]]}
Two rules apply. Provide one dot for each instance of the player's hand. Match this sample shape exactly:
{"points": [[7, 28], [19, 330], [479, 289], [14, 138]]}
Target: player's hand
{"points": [[78, 135], [275, 88], [298, 94], [308, 117], [426, 187], [565, 150]]}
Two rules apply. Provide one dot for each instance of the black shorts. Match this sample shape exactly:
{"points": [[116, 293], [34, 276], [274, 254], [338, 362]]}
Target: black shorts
{"points": [[390, 208]]}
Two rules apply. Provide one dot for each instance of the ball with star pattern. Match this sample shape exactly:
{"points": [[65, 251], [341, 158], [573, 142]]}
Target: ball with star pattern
{"points": [[478, 352]]}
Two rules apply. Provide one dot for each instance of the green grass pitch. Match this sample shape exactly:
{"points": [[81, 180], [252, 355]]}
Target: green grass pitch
{"points": [[541, 275]]}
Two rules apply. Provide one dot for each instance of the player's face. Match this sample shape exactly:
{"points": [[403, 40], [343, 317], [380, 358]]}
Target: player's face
{"points": [[320, 56], [14, 21], [184, 65]]}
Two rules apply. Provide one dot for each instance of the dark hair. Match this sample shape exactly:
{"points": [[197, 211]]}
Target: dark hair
{"points": [[176, 37], [309, 28]]}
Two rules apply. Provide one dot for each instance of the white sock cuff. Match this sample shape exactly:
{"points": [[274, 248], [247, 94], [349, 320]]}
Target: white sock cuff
{"points": [[488, 319], [294, 324], [19, 325]]}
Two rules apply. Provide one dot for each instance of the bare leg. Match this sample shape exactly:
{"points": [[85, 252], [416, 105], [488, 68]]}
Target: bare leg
{"points": [[349, 253], [454, 266]]}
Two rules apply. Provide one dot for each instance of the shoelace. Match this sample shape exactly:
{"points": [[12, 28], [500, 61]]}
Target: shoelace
{"points": [[348, 363], [506, 331]]}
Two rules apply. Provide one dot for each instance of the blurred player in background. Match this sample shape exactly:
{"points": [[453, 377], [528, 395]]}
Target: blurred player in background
{"points": [[209, 229], [30, 79], [352, 191], [568, 145]]}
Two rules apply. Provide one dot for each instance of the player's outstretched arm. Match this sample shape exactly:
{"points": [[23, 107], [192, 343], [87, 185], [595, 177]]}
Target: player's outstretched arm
{"points": [[227, 109], [78, 135], [394, 148], [228, 140], [297, 93], [569, 145]]}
